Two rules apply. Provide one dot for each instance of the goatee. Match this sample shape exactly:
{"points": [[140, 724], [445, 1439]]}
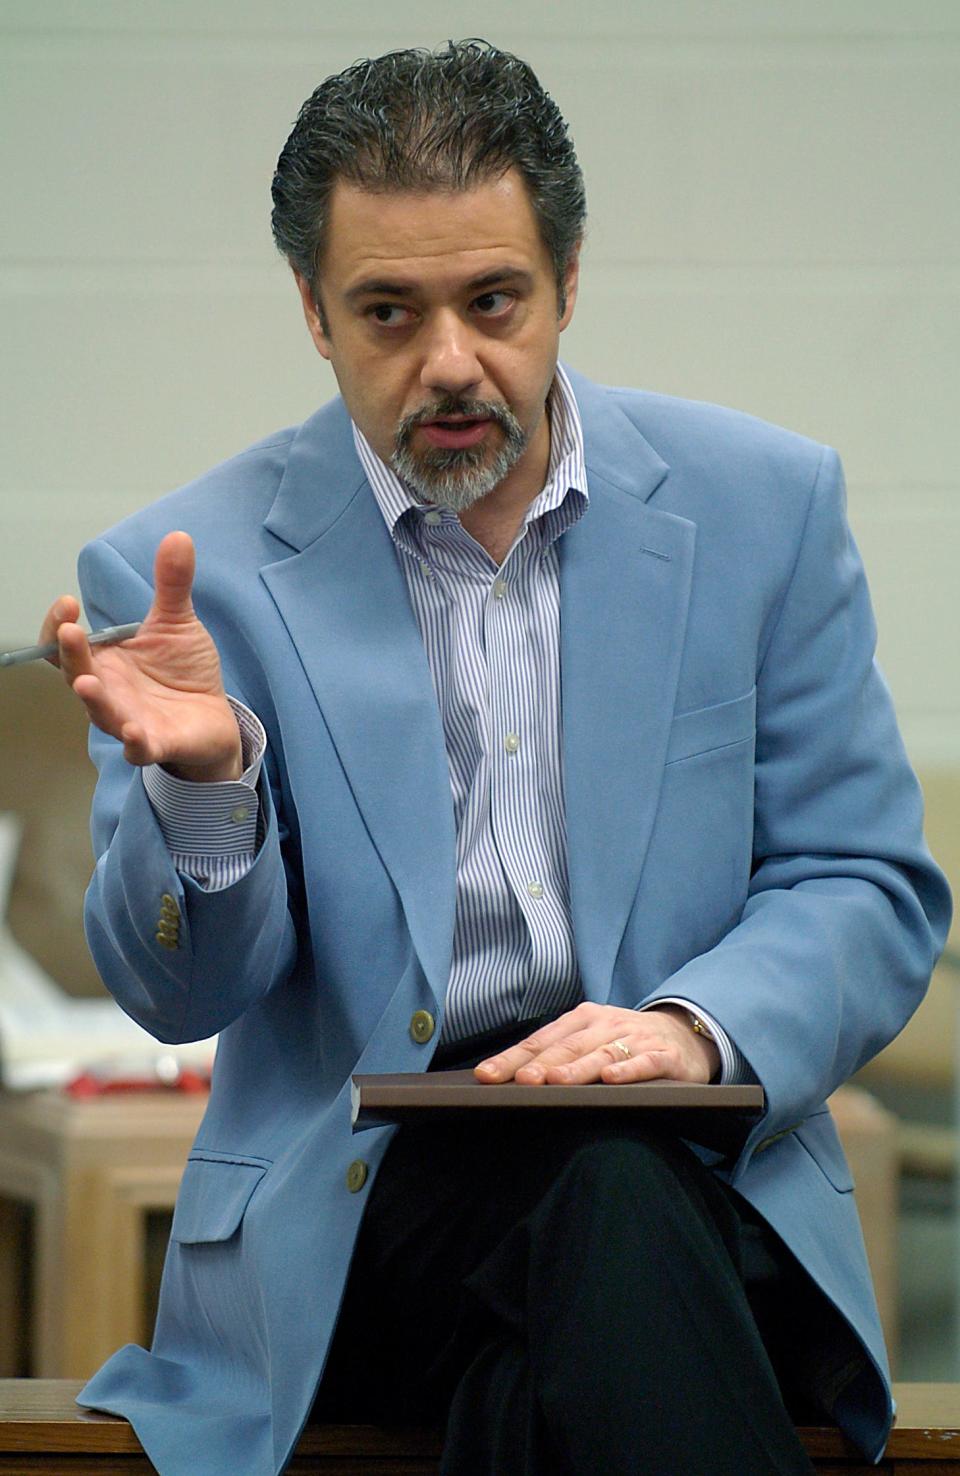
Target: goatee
{"points": [[457, 478]]}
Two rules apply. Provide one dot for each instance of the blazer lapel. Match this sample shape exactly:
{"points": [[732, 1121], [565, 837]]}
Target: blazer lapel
{"points": [[344, 601], [625, 572]]}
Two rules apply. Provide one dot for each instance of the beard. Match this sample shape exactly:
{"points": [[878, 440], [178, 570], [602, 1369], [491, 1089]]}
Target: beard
{"points": [[457, 478]]}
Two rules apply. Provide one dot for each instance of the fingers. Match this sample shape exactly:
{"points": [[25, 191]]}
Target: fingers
{"points": [[77, 665], [648, 1061], [604, 1043], [76, 658], [505, 1066], [137, 748], [173, 571], [66, 608], [107, 714], [569, 1059], [607, 1061], [102, 709], [563, 1041]]}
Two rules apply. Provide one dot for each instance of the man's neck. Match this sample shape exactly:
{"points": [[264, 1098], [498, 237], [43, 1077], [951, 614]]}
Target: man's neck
{"points": [[494, 529]]}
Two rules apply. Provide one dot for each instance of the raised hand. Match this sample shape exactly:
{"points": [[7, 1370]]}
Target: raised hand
{"points": [[161, 693]]}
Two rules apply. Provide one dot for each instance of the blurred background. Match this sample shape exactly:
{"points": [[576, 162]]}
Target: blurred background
{"points": [[774, 225]]}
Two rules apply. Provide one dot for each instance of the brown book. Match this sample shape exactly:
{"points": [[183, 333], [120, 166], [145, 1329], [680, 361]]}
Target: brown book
{"points": [[716, 1116]]}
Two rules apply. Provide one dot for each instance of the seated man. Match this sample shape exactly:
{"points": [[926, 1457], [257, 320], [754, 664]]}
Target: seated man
{"points": [[553, 744]]}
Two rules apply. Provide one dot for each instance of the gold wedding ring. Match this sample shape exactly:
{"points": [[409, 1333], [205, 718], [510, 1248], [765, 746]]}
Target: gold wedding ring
{"points": [[623, 1048]]}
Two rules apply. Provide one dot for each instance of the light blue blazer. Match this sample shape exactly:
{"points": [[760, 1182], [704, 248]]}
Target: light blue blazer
{"points": [[743, 831]]}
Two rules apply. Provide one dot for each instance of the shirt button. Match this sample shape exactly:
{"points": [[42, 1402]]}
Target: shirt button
{"points": [[357, 1175], [433, 518], [239, 814], [535, 889], [499, 589], [512, 742]]}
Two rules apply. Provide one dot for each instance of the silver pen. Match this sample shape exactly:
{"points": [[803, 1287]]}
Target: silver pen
{"points": [[109, 636]]}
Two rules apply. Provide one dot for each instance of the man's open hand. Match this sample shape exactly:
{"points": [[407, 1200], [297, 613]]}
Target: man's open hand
{"points": [[581, 1047], [161, 693]]}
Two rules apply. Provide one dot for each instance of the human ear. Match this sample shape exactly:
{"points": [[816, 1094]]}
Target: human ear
{"points": [[571, 281], [314, 315]]}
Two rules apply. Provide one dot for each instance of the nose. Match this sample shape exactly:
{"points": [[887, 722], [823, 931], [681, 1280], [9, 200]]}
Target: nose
{"points": [[450, 361]]}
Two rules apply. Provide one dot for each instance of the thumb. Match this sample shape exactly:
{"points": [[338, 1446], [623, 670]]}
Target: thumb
{"points": [[173, 572]]}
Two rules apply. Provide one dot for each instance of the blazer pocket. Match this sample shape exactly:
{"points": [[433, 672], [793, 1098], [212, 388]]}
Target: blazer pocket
{"points": [[214, 1194], [717, 726], [818, 1135]]}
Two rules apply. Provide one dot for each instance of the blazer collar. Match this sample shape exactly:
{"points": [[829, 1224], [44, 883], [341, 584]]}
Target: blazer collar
{"points": [[321, 476], [323, 471], [617, 453]]}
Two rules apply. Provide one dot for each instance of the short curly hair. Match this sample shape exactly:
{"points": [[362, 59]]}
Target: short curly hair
{"points": [[428, 120]]}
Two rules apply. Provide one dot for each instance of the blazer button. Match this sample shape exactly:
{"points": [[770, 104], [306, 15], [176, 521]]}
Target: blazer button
{"points": [[357, 1175], [422, 1026], [167, 940]]}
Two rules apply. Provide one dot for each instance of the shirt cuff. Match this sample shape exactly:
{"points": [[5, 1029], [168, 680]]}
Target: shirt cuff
{"points": [[218, 819], [734, 1067]]}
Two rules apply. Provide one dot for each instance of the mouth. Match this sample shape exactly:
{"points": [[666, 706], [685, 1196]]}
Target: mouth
{"points": [[455, 433]]}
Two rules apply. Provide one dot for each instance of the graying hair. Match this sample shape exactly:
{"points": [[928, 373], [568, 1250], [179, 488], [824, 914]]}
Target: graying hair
{"points": [[428, 120]]}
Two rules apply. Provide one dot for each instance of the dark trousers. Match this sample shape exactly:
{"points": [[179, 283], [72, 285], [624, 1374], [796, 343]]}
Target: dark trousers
{"points": [[573, 1299]]}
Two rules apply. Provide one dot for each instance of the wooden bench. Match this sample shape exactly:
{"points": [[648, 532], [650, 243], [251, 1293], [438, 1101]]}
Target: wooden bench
{"points": [[41, 1429]]}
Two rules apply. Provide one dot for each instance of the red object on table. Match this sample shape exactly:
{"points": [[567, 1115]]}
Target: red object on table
{"points": [[88, 1084]]}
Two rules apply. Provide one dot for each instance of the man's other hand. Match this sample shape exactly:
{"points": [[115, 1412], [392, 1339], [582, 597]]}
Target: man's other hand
{"points": [[605, 1043], [160, 694]]}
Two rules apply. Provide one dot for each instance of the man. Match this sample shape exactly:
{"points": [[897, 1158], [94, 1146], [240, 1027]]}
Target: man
{"points": [[546, 703]]}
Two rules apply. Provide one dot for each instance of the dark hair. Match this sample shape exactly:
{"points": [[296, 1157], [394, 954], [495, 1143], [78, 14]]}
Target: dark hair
{"points": [[428, 120]]}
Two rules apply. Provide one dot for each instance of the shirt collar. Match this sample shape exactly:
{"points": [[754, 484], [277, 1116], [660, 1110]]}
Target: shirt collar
{"points": [[566, 469]]}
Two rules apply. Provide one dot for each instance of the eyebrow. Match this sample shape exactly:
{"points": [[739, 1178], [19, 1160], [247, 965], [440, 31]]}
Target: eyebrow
{"points": [[384, 287]]}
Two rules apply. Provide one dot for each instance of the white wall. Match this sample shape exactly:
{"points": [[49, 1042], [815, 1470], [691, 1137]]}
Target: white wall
{"points": [[774, 225]]}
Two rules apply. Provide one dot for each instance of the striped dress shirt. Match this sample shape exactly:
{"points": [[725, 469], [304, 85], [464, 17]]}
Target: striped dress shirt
{"points": [[492, 639]]}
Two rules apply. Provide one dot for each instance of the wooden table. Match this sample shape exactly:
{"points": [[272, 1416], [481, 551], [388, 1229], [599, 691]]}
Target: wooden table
{"points": [[91, 1171]]}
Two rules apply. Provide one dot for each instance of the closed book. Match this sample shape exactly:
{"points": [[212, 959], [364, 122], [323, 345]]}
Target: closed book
{"points": [[716, 1116]]}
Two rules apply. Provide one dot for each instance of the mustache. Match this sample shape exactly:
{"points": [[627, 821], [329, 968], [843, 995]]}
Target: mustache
{"points": [[462, 407]]}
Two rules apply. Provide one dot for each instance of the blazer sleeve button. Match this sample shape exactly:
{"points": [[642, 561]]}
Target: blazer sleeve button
{"points": [[422, 1026]]}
